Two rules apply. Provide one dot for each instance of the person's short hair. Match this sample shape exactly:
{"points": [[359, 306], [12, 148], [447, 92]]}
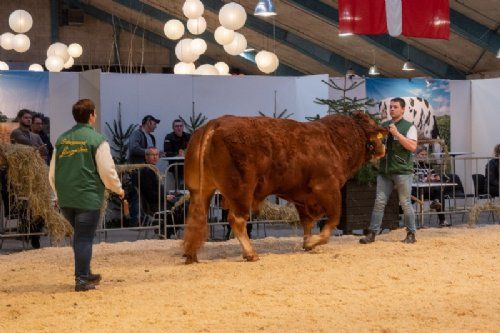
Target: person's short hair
{"points": [[22, 112], [399, 100], [496, 150], [177, 121], [150, 117], [38, 116], [82, 110]]}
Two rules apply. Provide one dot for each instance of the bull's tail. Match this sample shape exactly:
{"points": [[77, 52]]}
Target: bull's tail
{"points": [[201, 187]]}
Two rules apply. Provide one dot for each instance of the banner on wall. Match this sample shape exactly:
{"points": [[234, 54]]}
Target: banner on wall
{"points": [[427, 103], [21, 90]]}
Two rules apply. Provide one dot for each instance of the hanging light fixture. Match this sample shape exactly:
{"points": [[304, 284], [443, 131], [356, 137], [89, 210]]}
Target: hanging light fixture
{"points": [[408, 66], [265, 8], [373, 69]]}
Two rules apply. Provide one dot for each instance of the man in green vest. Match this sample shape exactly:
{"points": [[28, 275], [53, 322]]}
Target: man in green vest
{"points": [[396, 170], [80, 169]]}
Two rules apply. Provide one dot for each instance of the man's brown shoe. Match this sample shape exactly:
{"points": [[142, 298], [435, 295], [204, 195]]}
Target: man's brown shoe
{"points": [[410, 238], [370, 238]]}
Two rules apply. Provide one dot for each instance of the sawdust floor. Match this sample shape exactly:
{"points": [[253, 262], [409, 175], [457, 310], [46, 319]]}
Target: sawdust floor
{"points": [[449, 281]]}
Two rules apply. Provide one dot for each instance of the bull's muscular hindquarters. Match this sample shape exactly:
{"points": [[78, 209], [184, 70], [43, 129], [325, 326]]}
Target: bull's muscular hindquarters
{"points": [[247, 159]]}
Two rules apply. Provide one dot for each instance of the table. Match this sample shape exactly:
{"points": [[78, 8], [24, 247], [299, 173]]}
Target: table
{"points": [[428, 185]]}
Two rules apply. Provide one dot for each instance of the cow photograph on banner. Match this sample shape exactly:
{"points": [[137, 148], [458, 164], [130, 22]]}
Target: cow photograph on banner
{"points": [[427, 104]]}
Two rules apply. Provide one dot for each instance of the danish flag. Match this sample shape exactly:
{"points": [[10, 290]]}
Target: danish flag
{"points": [[411, 18]]}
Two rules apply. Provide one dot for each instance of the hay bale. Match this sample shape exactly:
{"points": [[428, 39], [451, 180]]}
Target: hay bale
{"points": [[272, 212], [475, 210], [28, 177]]}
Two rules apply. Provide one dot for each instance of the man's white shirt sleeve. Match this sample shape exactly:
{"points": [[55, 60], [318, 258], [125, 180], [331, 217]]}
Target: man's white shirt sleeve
{"points": [[106, 168], [412, 133]]}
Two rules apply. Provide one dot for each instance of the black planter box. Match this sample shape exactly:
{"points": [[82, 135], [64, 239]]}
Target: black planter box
{"points": [[357, 206]]}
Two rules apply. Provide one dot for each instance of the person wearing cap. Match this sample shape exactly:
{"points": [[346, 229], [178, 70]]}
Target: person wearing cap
{"points": [[140, 141]]}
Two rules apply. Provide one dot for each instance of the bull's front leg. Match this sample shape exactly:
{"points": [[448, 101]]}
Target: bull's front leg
{"points": [[330, 198], [307, 224], [239, 225]]}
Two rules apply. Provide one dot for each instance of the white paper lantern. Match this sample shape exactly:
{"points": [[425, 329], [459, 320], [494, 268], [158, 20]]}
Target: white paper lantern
{"points": [[184, 52], [206, 70], [68, 64], [193, 9], [222, 67], [237, 46], [197, 26], [4, 66], [20, 21], [60, 50], [232, 16], [266, 61], [36, 68], [184, 68], [198, 46], [223, 36], [21, 43], [75, 50], [7, 41], [173, 29], [54, 63]]}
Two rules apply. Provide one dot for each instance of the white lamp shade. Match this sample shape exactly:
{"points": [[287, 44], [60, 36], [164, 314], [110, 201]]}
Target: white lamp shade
{"points": [[21, 43], [75, 50], [184, 68], [206, 70], [60, 50], [267, 62], [184, 51], [232, 16], [237, 46], [198, 46], [4, 66], [197, 26], [193, 9], [7, 41], [222, 67], [20, 21], [54, 63], [36, 68], [68, 64], [223, 36], [173, 29]]}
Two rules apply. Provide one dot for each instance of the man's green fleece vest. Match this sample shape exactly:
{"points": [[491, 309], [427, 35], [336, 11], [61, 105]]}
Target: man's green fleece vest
{"points": [[78, 184], [398, 160]]}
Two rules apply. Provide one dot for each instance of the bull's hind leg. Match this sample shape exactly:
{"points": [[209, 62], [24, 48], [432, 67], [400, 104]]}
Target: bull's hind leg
{"points": [[196, 225], [307, 224], [330, 198], [238, 222]]}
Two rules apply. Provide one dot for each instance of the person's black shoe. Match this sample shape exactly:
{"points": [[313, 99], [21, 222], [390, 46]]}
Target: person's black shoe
{"points": [[94, 278], [82, 284], [369, 238], [35, 242], [410, 238]]}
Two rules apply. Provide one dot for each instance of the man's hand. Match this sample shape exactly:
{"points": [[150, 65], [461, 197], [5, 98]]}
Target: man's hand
{"points": [[181, 152], [121, 195], [393, 130], [170, 197]]}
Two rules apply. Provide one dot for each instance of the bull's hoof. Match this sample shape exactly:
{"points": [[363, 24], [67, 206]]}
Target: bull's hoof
{"points": [[190, 259], [314, 241], [251, 257]]}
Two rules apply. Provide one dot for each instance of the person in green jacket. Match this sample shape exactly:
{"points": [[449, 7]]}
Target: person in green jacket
{"points": [[80, 169], [396, 170]]}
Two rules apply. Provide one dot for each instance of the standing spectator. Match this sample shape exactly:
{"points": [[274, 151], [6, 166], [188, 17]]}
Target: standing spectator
{"points": [[37, 128], [491, 172], [140, 140], [396, 170], [80, 169], [176, 142]]}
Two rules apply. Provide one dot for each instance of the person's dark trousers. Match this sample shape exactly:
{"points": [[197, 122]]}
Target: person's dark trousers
{"points": [[133, 199], [84, 223]]}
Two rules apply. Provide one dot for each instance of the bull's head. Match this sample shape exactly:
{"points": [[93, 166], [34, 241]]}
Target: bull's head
{"points": [[374, 135]]}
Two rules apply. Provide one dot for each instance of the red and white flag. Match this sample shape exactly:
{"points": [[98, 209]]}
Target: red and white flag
{"points": [[411, 18]]}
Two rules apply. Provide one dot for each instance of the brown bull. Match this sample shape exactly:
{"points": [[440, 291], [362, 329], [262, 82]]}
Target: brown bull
{"points": [[249, 158]]}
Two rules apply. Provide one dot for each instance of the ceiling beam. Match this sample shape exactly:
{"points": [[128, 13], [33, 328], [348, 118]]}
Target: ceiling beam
{"points": [[475, 32], [153, 37], [424, 61]]}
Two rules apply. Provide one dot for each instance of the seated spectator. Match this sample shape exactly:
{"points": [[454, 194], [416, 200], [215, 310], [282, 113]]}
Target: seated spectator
{"points": [[491, 172], [428, 174], [152, 193], [175, 144], [37, 128]]}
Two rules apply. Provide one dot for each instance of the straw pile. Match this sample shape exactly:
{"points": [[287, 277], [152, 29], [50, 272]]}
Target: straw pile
{"points": [[28, 177], [269, 211], [475, 210]]}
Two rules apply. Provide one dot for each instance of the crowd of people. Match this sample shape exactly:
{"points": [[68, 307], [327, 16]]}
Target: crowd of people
{"points": [[81, 167]]}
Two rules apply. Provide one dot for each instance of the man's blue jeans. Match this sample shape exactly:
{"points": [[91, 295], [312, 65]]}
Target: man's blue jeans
{"points": [[84, 223], [385, 185]]}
